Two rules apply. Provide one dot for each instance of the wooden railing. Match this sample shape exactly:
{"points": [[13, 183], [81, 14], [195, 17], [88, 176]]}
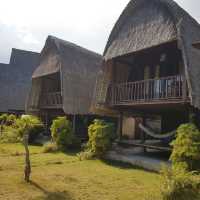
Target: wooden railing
{"points": [[51, 100], [167, 88]]}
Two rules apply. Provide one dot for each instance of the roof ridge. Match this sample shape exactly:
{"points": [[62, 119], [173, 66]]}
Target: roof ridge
{"points": [[59, 41], [27, 51]]}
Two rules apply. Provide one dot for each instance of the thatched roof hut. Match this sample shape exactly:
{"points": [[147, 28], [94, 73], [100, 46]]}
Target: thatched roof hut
{"points": [[68, 70], [15, 80], [145, 24]]}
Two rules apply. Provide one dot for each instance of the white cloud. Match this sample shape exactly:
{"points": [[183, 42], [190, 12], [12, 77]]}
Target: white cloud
{"points": [[26, 23]]}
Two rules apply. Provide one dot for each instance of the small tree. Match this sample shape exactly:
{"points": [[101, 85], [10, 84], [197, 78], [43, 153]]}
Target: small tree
{"points": [[34, 125], [186, 147], [27, 169], [25, 125]]}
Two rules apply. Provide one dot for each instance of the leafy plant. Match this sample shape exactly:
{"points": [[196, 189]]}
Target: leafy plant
{"points": [[179, 184], [15, 128], [31, 125], [10, 135], [100, 134], [3, 118], [62, 133], [7, 120], [11, 120], [186, 147]]}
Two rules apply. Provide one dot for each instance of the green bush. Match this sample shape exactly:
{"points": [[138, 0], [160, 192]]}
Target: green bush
{"points": [[100, 135], [49, 147], [10, 135], [7, 133], [62, 133], [7, 120], [186, 147], [3, 118], [179, 184], [11, 119]]}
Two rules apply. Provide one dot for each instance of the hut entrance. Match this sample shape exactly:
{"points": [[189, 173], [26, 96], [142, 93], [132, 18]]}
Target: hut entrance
{"points": [[51, 92], [159, 62], [154, 63]]}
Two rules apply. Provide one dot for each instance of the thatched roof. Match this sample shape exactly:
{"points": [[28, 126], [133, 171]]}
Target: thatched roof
{"points": [[15, 79], [162, 18], [147, 23], [78, 68]]}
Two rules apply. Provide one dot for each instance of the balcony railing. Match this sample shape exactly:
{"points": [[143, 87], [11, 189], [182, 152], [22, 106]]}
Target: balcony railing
{"points": [[51, 100], [163, 89]]}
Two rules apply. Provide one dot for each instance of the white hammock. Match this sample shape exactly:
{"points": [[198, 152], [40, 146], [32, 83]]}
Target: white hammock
{"points": [[154, 135]]}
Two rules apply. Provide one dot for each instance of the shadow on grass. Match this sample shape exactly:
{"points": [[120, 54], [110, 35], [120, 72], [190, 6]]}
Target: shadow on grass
{"points": [[72, 152], [118, 164], [51, 195], [123, 165]]}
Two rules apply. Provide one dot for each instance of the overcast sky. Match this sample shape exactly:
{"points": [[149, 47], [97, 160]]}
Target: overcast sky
{"points": [[25, 24]]}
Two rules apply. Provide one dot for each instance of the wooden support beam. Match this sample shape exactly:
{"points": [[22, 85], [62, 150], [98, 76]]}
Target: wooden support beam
{"points": [[74, 123], [120, 125], [144, 135], [46, 122], [184, 88]]}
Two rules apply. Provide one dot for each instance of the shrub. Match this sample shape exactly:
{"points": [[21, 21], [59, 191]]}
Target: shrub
{"points": [[10, 135], [49, 147], [62, 133], [3, 118], [186, 147], [7, 120], [11, 119], [100, 134], [179, 184]]}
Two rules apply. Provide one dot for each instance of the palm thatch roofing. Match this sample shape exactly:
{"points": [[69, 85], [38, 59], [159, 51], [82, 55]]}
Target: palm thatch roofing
{"points": [[15, 80], [147, 23], [78, 68]]}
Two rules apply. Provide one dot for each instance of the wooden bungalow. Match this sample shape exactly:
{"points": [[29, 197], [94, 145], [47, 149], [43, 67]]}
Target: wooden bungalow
{"points": [[64, 81], [151, 69], [15, 80]]}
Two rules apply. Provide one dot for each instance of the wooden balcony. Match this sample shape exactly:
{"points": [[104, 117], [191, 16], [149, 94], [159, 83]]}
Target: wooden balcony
{"points": [[51, 100], [151, 91]]}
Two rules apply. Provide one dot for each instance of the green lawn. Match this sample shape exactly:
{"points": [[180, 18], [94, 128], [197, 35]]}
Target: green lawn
{"points": [[63, 177]]}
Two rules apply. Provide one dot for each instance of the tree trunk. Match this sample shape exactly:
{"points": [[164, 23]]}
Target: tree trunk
{"points": [[27, 169]]}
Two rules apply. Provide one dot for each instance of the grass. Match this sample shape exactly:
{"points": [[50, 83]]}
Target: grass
{"points": [[61, 176]]}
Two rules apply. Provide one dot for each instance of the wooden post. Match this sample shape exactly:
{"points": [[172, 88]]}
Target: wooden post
{"points": [[74, 124], [113, 88], [144, 134], [120, 125], [27, 169], [184, 88], [46, 123]]}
